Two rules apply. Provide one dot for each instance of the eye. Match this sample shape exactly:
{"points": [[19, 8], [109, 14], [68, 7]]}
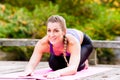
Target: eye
{"points": [[56, 30], [48, 30]]}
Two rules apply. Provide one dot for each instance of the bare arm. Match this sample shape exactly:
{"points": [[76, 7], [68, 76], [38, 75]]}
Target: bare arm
{"points": [[74, 49], [39, 49]]}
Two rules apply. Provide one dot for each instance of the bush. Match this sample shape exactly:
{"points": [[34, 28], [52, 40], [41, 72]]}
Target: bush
{"points": [[22, 23], [98, 21]]}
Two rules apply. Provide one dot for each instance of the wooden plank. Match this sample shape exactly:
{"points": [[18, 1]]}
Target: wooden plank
{"points": [[32, 42], [106, 44], [113, 74], [7, 67], [93, 58], [18, 42]]}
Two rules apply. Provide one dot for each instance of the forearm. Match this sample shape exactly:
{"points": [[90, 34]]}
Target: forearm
{"points": [[67, 71], [34, 61], [30, 66]]}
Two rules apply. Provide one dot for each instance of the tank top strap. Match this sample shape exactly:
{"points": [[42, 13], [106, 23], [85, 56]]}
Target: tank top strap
{"points": [[51, 49]]}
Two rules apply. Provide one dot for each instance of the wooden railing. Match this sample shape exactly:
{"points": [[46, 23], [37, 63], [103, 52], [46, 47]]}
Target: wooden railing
{"points": [[32, 42]]}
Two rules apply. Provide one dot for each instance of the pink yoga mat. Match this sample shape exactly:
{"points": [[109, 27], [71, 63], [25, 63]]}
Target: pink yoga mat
{"points": [[38, 74]]}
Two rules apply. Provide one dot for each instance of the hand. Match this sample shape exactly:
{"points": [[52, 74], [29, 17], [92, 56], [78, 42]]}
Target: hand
{"points": [[52, 75], [26, 73]]}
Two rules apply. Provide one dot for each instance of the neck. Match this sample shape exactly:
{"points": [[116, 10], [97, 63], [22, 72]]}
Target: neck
{"points": [[58, 45]]}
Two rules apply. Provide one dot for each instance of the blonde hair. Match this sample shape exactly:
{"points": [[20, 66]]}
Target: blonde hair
{"points": [[59, 19]]}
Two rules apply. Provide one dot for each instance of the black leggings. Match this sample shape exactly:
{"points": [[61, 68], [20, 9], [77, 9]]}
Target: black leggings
{"points": [[58, 62]]}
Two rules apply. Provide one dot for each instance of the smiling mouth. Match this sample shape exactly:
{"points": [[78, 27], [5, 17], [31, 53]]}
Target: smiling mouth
{"points": [[52, 39]]}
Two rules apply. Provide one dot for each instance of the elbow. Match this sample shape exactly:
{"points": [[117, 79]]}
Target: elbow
{"points": [[74, 71]]}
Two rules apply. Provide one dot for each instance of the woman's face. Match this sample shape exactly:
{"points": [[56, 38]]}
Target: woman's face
{"points": [[55, 33]]}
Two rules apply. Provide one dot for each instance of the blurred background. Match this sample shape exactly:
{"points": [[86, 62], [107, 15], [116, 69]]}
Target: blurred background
{"points": [[100, 19]]}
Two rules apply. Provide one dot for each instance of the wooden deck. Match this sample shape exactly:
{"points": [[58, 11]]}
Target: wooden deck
{"points": [[7, 67], [113, 74]]}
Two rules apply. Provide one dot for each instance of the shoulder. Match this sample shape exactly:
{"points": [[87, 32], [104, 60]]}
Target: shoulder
{"points": [[73, 43], [72, 29], [44, 40], [71, 39], [79, 32], [43, 44]]}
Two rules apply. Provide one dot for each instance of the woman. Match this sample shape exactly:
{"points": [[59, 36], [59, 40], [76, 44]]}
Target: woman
{"points": [[69, 49]]}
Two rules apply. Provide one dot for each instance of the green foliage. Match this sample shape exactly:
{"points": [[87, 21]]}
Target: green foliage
{"points": [[21, 23], [30, 5], [106, 26], [15, 22], [102, 53], [110, 3], [18, 53], [27, 19], [24, 23]]}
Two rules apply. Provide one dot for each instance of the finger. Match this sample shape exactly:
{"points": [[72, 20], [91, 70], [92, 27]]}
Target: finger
{"points": [[45, 75], [24, 74]]}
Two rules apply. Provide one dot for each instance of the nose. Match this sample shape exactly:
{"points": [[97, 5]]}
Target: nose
{"points": [[51, 34]]}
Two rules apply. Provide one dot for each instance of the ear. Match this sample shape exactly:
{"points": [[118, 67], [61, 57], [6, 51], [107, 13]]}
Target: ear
{"points": [[64, 32]]}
